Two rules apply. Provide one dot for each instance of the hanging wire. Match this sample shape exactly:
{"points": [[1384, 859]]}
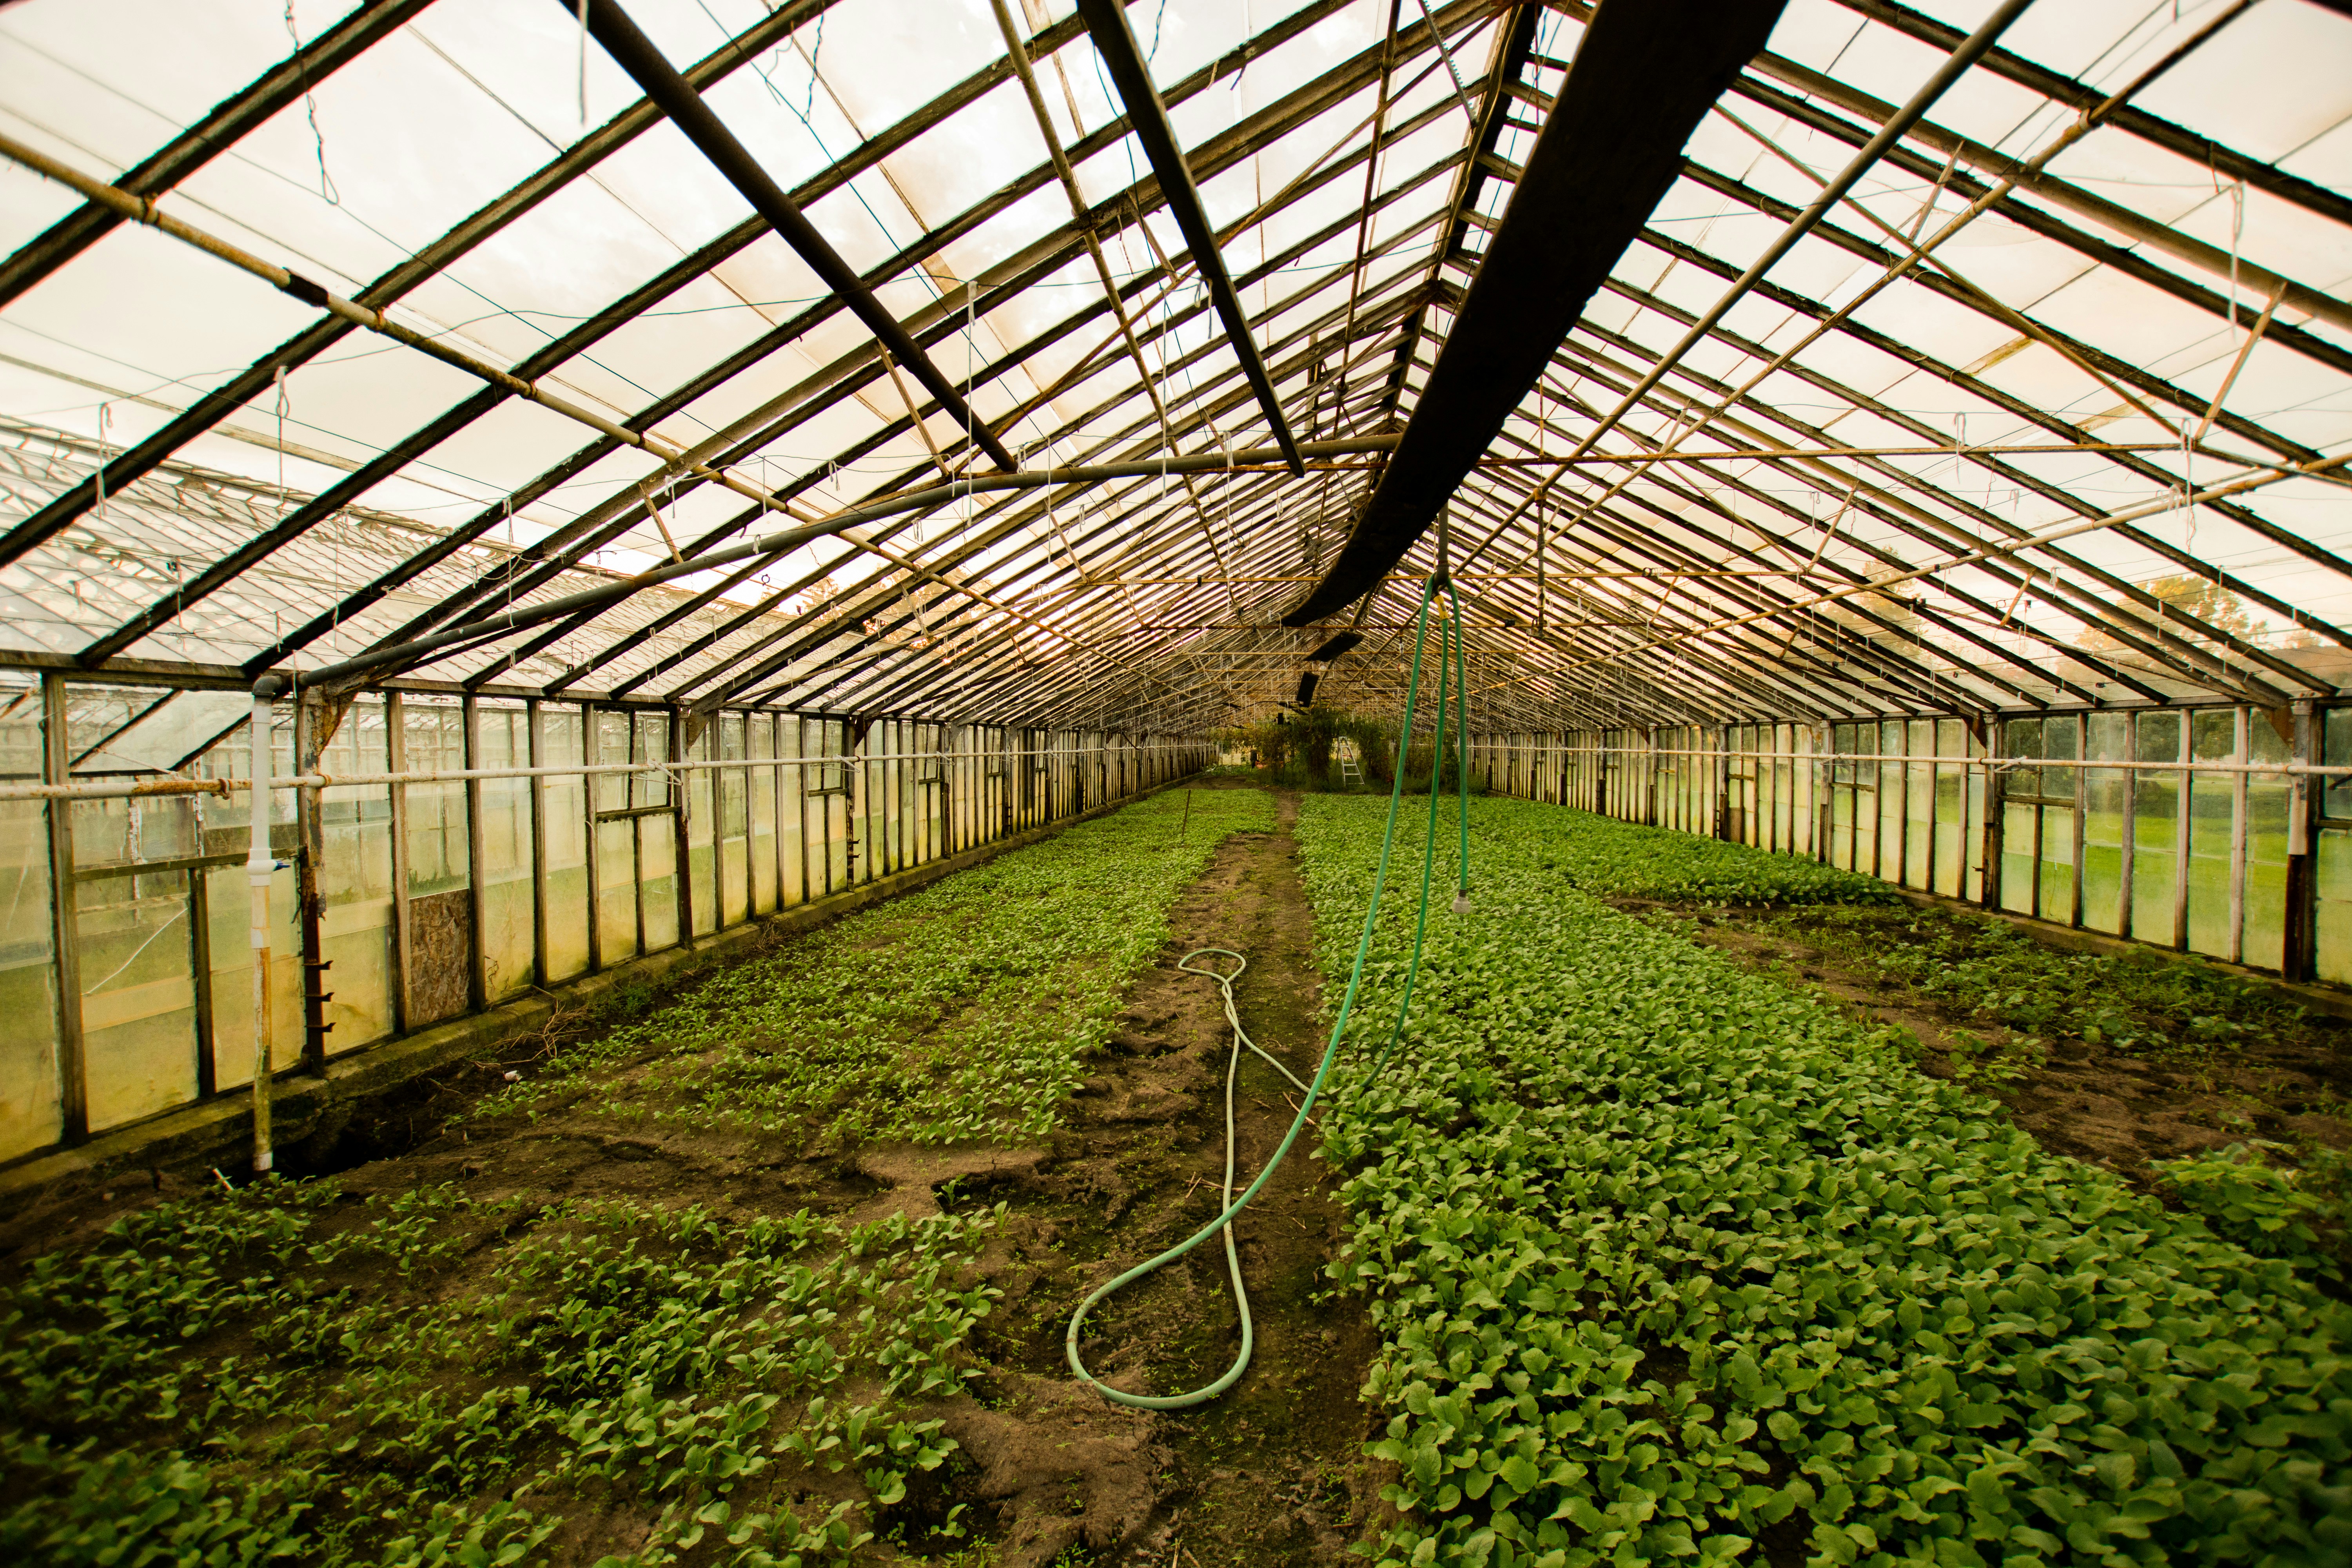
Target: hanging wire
{"points": [[311, 104], [105, 418]]}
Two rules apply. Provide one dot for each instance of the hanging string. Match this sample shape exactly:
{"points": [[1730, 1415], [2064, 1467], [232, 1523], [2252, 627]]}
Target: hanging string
{"points": [[105, 418], [280, 379], [310, 107]]}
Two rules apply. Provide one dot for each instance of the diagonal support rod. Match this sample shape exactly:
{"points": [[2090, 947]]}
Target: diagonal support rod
{"points": [[1613, 144], [1106, 24], [677, 98]]}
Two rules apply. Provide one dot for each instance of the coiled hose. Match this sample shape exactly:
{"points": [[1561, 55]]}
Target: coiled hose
{"points": [[1449, 642]]}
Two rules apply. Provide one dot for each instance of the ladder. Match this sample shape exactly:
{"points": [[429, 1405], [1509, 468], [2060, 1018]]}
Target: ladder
{"points": [[1351, 773]]}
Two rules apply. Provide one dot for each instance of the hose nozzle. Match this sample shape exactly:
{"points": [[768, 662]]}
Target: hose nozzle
{"points": [[1462, 902]]}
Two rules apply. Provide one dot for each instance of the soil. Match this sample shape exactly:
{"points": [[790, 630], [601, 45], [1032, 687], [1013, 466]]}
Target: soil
{"points": [[2085, 1099], [1271, 1473]]}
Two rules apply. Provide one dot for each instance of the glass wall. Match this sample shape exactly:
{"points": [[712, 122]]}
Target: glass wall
{"points": [[2104, 821], [438, 895], [31, 1108]]}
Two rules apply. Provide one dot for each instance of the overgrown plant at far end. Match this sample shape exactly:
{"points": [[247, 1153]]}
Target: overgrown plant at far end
{"points": [[282, 1374], [1669, 1259], [1297, 751]]}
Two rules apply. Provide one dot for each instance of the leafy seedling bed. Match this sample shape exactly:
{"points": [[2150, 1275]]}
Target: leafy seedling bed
{"points": [[1671, 1260], [2128, 1061], [585, 1322]]}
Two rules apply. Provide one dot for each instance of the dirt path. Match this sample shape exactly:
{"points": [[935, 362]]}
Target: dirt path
{"points": [[1272, 1472]]}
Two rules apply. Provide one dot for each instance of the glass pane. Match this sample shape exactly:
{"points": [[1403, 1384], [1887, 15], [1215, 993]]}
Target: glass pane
{"points": [[701, 822], [1951, 825], [657, 866], [355, 928], [2023, 738], [2103, 793], [760, 813], [2017, 857], [2156, 807], [616, 888], [509, 920], [227, 830], [138, 991], [2336, 751], [435, 736], [1920, 796], [2061, 741], [2058, 864], [2264, 941], [2334, 933], [29, 1106], [2212, 821], [564, 801], [792, 818], [1890, 803]]}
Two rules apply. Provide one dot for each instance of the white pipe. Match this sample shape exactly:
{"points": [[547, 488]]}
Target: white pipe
{"points": [[1994, 764], [171, 785], [259, 867]]}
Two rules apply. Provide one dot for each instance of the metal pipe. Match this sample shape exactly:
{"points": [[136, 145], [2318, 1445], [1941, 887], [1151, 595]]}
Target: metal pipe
{"points": [[225, 787], [1934, 88], [677, 98], [1147, 118], [1643, 77], [2030, 541], [143, 210], [259, 867], [544, 610]]}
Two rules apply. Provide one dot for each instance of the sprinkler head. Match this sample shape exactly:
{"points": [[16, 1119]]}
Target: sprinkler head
{"points": [[1462, 902]]}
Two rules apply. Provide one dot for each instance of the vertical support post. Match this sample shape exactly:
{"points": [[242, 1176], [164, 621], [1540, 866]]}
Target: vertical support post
{"points": [[2082, 814], [1996, 822], [200, 975], [681, 795], [2240, 750], [259, 867], [535, 744], [1723, 782], [65, 939], [404, 942], [477, 946], [2130, 828], [2184, 813], [309, 903], [2305, 795]]}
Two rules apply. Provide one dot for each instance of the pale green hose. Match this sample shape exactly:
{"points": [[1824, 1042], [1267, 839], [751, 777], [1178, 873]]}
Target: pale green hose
{"points": [[1223, 1224]]}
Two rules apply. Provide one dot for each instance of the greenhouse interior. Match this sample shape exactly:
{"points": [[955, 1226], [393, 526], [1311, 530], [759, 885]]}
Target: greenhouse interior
{"points": [[1086, 784]]}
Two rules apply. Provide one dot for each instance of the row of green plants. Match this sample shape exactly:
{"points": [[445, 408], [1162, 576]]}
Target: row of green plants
{"points": [[2141, 1002], [1669, 1259], [1614, 859], [963, 1010], [283, 1374]]}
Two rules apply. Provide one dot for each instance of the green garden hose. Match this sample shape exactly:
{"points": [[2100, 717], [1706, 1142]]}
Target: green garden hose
{"points": [[1450, 639]]}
